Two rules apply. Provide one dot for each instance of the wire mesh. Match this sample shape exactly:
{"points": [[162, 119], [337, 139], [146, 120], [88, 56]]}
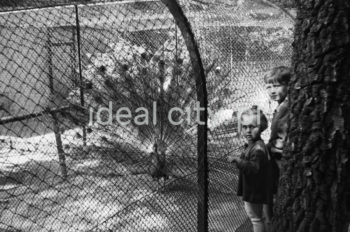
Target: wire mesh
{"points": [[70, 68], [245, 40]]}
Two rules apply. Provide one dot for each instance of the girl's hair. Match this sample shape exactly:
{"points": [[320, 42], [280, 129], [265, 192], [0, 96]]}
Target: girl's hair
{"points": [[279, 74], [261, 118]]}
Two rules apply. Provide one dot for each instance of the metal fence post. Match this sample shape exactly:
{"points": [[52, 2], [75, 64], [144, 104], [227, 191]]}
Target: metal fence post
{"points": [[200, 79], [82, 101], [56, 126]]}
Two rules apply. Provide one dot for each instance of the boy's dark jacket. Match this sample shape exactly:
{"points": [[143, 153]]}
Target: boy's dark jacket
{"points": [[279, 127], [254, 183]]}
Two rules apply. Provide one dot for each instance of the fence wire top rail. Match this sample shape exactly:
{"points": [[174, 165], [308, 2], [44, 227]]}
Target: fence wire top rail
{"points": [[64, 15], [40, 4]]}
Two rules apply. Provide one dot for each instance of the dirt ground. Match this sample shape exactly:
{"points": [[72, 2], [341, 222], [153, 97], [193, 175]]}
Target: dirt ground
{"points": [[88, 203], [105, 193]]}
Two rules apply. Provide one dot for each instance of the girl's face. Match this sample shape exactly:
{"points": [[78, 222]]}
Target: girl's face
{"points": [[277, 91], [250, 127]]}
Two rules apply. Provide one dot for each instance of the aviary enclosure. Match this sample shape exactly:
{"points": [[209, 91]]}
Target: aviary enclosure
{"points": [[86, 87]]}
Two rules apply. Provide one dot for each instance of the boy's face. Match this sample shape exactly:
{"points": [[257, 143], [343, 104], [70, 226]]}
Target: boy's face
{"points": [[277, 91], [250, 127]]}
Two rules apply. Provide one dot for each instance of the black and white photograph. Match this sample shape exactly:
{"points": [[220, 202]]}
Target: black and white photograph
{"points": [[174, 115]]}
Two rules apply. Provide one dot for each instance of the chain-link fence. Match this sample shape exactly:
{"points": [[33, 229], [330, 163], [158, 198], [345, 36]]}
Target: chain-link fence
{"points": [[246, 41], [86, 142]]}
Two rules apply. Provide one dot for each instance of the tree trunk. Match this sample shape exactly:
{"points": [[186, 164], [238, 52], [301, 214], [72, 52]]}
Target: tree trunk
{"points": [[314, 185]]}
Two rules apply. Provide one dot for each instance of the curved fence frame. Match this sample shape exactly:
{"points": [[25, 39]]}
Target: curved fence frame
{"points": [[197, 65]]}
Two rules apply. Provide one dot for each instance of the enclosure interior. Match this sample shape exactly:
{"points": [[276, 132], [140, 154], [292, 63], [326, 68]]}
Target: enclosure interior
{"points": [[86, 143]]}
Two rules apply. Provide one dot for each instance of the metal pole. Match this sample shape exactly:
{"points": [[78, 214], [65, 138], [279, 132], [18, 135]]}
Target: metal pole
{"points": [[82, 101], [56, 126], [176, 76], [202, 139], [10, 119]]}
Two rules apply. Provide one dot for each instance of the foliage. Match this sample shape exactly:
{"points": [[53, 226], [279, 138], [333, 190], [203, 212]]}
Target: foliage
{"points": [[284, 3], [272, 42]]}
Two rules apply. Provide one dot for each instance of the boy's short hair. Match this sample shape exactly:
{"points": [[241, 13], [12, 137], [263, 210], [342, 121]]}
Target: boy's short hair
{"points": [[262, 120], [279, 74]]}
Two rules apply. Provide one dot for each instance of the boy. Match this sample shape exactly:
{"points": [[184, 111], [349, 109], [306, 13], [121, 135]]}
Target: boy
{"points": [[277, 87], [254, 170]]}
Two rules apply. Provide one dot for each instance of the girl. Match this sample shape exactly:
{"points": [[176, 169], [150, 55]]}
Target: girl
{"points": [[254, 183]]}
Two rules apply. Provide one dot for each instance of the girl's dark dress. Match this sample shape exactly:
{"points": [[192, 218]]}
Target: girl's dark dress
{"points": [[254, 183]]}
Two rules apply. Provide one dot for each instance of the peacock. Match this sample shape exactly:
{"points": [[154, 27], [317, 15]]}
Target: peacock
{"points": [[159, 169]]}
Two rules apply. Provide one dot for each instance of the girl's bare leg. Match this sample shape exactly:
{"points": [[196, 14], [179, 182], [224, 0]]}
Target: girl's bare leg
{"points": [[255, 214]]}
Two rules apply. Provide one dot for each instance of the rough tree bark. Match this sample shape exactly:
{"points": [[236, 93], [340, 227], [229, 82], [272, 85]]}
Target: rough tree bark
{"points": [[314, 187]]}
